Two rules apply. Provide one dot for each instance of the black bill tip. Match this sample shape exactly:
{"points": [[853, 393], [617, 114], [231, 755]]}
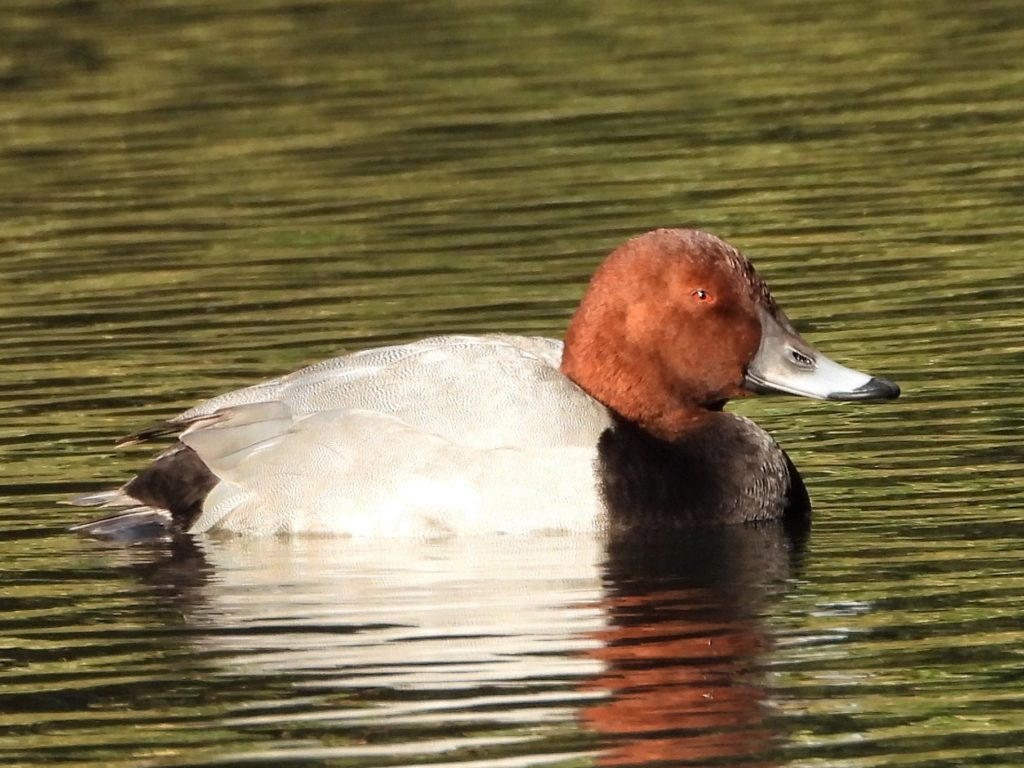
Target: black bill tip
{"points": [[872, 389]]}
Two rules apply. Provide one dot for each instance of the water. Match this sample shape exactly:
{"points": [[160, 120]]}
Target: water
{"points": [[199, 195]]}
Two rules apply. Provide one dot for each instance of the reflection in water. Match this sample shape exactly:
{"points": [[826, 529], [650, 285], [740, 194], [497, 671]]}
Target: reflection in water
{"points": [[396, 647], [682, 643], [502, 646]]}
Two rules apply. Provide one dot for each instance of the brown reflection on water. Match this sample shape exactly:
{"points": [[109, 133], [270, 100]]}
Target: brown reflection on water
{"points": [[682, 649]]}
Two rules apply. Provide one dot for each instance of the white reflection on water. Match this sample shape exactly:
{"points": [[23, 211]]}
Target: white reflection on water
{"points": [[636, 652], [411, 614], [488, 631]]}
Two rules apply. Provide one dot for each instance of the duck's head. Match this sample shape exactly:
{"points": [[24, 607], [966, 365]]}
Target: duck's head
{"points": [[675, 322]]}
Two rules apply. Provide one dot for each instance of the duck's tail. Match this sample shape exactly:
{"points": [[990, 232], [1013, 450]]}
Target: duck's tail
{"points": [[132, 524], [166, 497], [133, 520]]}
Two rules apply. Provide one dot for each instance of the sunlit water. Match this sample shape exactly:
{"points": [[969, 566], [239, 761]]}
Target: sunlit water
{"points": [[198, 195]]}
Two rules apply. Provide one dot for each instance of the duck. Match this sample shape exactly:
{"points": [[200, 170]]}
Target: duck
{"points": [[621, 426]]}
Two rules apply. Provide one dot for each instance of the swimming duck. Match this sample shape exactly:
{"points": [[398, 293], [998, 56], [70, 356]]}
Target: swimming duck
{"points": [[620, 427]]}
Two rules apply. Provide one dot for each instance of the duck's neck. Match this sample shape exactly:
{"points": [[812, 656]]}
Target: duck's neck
{"points": [[724, 469], [601, 362]]}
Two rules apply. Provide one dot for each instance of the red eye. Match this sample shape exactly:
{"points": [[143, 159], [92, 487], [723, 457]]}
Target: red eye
{"points": [[702, 297]]}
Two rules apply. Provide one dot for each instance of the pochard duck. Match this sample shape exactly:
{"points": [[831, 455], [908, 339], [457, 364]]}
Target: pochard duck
{"points": [[620, 427]]}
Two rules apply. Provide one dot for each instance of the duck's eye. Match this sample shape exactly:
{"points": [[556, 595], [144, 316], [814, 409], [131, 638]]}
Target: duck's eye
{"points": [[701, 296], [800, 358]]}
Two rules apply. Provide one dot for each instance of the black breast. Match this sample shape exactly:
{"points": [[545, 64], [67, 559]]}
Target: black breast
{"points": [[727, 470]]}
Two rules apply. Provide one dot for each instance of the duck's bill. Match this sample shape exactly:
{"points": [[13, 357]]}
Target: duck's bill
{"points": [[787, 364]]}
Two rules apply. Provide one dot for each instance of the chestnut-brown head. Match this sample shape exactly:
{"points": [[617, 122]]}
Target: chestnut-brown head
{"points": [[673, 324]]}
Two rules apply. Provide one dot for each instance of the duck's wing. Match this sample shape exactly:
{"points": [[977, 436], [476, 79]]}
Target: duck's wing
{"points": [[364, 473], [482, 391], [378, 432]]}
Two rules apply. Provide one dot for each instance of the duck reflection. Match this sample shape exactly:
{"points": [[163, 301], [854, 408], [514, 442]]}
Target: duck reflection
{"points": [[683, 645], [652, 648]]}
